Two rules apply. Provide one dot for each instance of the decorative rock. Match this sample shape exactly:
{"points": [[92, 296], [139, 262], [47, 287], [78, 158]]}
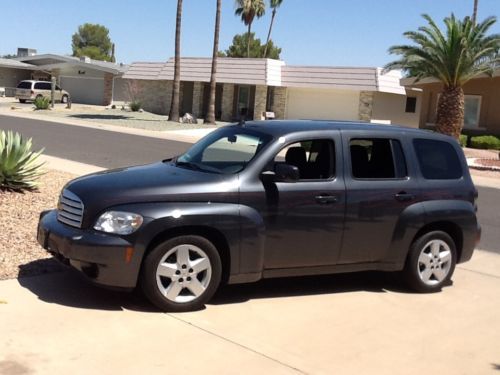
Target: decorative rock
{"points": [[188, 118]]}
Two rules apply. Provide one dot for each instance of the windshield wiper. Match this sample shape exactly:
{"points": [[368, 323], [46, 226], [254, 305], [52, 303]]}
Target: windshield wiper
{"points": [[197, 167]]}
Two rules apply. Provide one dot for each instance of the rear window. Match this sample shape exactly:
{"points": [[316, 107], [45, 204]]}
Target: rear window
{"points": [[43, 86], [438, 160], [24, 85]]}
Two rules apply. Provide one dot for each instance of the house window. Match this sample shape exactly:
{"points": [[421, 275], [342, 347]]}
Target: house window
{"points": [[472, 110], [411, 104]]}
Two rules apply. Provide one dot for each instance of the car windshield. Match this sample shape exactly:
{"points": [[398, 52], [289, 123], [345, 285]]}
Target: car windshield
{"points": [[226, 150]]}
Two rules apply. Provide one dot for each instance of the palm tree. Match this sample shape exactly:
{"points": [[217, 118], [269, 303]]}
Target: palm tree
{"points": [[174, 106], [462, 52], [248, 10], [274, 4], [210, 116], [474, 12]]}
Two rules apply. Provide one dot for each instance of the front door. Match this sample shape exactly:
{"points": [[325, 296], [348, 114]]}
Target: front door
{"points": [[303, 220]]}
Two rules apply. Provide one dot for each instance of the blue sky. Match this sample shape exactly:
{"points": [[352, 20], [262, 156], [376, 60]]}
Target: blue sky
{"points": [[310, 32]]}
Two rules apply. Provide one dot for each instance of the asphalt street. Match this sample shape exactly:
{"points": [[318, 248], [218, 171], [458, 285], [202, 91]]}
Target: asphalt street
{"points": [[112, 149], [92, 146]]}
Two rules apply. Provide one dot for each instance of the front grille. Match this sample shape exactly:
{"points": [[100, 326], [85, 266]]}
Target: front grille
{"points": [[70, 209]]}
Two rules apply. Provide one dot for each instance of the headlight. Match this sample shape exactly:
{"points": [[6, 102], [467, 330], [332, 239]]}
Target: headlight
{"points": [[118, 222]]}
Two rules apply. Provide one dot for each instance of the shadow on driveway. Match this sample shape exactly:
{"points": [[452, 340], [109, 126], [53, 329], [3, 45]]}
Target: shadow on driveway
{"points": [[70, 288]]}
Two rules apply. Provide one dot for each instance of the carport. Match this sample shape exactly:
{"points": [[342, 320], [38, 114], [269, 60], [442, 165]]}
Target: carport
{"points": [[87, 81]]}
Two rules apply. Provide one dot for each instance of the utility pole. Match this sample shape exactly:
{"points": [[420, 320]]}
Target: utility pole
{"points": [[52, 91]]}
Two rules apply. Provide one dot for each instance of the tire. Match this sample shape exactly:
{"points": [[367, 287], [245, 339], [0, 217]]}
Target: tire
{"points": [[431, 262], [22, 100], [181, 274], [39, 97], [64, 99]]}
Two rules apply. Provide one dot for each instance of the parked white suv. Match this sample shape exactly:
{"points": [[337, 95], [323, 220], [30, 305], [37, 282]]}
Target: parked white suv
{"points": [[30, 90]]}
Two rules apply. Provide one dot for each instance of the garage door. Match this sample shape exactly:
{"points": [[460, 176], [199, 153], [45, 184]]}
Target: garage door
{"points": [[84, 90], [322, 104]]}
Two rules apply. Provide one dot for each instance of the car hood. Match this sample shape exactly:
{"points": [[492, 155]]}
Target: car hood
{"points": [[158, 182]]}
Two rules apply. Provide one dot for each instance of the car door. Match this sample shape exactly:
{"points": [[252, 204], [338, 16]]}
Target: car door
{"points": [[380, 186], [303, 220]]}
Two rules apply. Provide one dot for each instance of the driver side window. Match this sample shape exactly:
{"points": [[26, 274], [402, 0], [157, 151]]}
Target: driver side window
{"points": [[315, 158]]}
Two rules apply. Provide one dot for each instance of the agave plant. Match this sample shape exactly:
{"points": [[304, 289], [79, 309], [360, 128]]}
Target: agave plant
{"points": [[19, 169]]}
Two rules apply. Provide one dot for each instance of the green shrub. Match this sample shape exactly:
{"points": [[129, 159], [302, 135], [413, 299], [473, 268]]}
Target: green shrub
{"points": [[19, 168], [135, 106], [463, 140], [42, 102], [488, 142]]}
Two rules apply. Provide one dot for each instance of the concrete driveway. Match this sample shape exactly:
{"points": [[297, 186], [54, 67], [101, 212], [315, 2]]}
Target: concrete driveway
{"points": [[342, 324]]}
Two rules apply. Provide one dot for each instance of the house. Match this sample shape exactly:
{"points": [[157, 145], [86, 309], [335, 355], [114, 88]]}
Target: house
{"points": [[253, 87], [88, 81], [482, 98]]}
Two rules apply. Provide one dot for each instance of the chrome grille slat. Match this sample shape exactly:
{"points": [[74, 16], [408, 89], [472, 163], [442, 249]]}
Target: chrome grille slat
{"points": [[70, 209]]}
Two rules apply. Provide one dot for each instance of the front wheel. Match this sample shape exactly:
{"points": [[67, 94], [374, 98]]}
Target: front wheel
{"points": [[181, 274], [22, 100], [64, 99], [431, 262]]}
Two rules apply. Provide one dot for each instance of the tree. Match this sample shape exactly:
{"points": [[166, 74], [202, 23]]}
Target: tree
{"points": [[210, 116], [174, 106], [92, 40], [8, 56], [474, 12], [240, 43], [275, 4], [248, 10], [453, 57]]}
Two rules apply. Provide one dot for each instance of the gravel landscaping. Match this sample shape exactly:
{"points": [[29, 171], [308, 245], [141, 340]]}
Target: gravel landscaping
{"points": [[20, 254], [104, 116]]}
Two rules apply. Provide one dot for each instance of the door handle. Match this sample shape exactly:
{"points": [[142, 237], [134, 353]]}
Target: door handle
{"points": [[325, 199], [404, 196]]}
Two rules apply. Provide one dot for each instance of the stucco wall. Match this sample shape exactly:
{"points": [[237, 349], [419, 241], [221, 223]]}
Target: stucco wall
{"points": [[487, 88], [11, 77], [391, 108], [322, 104]]}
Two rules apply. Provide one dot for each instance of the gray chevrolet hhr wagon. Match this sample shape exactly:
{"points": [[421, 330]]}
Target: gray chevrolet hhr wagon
{"points": [[270, 199]]}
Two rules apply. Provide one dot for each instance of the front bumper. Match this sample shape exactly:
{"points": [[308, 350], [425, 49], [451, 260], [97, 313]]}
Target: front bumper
{"points": [[105, 259]]}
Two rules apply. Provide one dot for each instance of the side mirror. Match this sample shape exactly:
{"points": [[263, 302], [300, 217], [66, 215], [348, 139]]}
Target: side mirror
{"points": [[282, 173]]}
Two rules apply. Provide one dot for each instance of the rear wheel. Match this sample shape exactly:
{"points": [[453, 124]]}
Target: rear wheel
{"points": [[22, 100], [64, 99], [431, 262], [181, 274]]}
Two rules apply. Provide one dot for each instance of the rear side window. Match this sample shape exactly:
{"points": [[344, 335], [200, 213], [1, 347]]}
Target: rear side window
{"points": [[377, 158], [24, 85], [438, 160], [43, 86]]}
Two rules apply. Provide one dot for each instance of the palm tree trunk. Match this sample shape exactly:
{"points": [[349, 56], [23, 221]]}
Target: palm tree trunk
{"points": [[248, 39], [269, 33], [450, 111], [174, 107], [474, 12], [210, 116]]}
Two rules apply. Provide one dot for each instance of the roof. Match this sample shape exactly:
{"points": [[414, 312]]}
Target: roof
{"points": [[279, 128], [270, 72], [229, 70], [410, 81], [12, 63], [51, 61]]}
